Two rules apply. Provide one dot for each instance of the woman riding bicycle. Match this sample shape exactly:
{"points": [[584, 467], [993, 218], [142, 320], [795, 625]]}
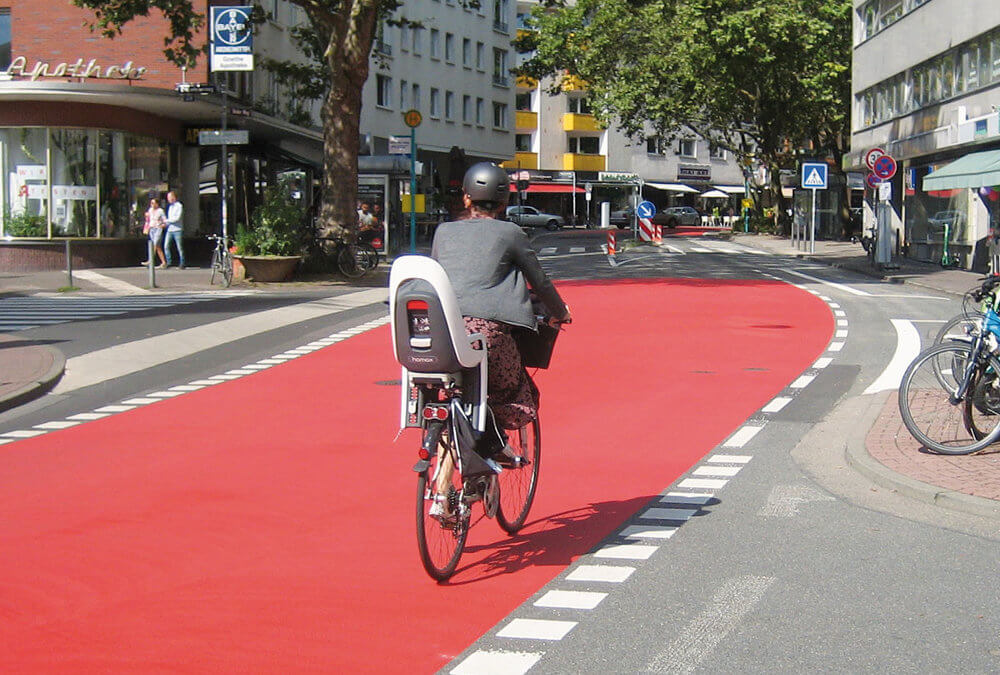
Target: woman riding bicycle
{"points": [[491, 265]]}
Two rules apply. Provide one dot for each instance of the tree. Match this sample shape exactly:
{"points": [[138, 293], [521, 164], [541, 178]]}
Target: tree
{"points": [[759, 78], [342, 32]]}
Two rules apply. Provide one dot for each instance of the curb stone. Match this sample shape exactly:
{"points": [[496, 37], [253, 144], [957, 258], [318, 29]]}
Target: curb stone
{"points": [[37, 388]]}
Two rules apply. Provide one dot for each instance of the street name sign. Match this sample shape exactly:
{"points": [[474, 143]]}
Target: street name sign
{"points": [[228, 137]]}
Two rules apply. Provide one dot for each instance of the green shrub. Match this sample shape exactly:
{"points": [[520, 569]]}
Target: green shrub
{"points": [[24, 225], [275, 226]]}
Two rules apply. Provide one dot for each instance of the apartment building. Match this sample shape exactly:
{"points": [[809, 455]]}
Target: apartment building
{"points": [[926, 90]]}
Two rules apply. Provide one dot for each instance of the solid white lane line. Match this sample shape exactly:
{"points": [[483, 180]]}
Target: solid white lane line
{"points": [[570, 599], [485, 662], [648, 532], [733, 601], [742, 436], [537, 629], [907, 348], [776, 404], [717, 471], [730, 459], [626, 552], [833, 284], [703, 483], [614, 574]]}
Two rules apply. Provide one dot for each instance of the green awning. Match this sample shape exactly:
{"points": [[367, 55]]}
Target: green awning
{"points": [[975, 170]]}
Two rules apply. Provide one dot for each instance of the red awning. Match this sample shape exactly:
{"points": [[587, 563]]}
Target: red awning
{"points": [[548, 187]]}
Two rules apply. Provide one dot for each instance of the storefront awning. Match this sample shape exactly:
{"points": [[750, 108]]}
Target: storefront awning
{"points": [[715, 194], [671, 187], [730, 189], [549, 187], [975, 170]]}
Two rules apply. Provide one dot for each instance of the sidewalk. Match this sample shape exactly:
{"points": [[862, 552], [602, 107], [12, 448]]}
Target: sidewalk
{"points": [[889, 456]]}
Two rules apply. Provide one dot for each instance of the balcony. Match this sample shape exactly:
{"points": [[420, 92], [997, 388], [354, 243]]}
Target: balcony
{"points": [[579, 122], [524, 82], [522, 160], [525, 119], [573, 83], [573, 161]]}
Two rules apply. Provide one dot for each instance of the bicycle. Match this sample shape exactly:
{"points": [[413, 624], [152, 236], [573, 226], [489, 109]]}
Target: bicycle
{"points": [[948, 259], [222, 260], [949, 397], [353, 260], [975, 302], [444, 395]]}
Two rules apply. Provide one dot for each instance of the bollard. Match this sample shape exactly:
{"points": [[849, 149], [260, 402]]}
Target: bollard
{"points": [[658, 234], [611, 242], [69, 264], [152, 268]]}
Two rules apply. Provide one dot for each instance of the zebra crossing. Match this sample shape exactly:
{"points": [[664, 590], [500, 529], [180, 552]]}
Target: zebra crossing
{"points": [[665, 248], [26, 312]]}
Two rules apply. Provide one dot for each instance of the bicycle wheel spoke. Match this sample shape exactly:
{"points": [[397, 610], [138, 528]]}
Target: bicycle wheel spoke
{"points": [[442, 520], [518, 483], [933, 418]]}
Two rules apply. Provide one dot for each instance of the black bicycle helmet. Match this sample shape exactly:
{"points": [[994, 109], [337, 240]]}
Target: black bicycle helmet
{"points": [[487, 182]]}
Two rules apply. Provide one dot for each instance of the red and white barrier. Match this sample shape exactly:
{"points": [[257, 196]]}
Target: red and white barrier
{"points": [[658, 234], [611, 242], [646, 229]]}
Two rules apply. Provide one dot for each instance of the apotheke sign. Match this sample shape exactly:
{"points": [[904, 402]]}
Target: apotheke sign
{"points": [[91, 69]]}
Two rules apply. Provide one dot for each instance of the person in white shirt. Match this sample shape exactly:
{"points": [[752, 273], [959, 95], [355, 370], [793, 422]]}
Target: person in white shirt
{"points": [[175, 228]]}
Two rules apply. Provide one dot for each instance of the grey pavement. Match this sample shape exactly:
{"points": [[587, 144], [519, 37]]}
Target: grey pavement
{"points": [[885, 454]]}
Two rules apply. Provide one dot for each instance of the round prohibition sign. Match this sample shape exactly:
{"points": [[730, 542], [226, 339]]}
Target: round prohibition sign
{"points": [[884, 167], [413, 118], [872, 155]]}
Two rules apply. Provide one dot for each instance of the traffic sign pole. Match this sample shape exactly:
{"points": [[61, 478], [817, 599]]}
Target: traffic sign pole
{"points": [[413, 189]]}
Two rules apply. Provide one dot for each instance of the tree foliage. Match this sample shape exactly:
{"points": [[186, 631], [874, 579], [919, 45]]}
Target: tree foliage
{"points": [[759, 78]]}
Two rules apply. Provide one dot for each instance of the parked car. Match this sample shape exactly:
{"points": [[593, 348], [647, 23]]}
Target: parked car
{"points": [[622, 218], [672, 216], [529, 216]]}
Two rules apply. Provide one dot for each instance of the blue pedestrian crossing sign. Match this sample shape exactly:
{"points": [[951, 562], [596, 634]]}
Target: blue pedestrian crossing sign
{"points": [[814, 175], [645, 210]]}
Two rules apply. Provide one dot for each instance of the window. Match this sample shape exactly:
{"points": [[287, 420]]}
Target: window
{"points": [[449, 47], [449, 105], [499, 115], [656, 145], [404, 37], [467, 109], [417, 40], [5, 37], [383, 91], [480, 55], [500, 15], [500, 66], [522, 142], [435, 103], [687, 147], [480, 111], [585, 145], [715, 152], [522, 101], [435, 49], [467, 52], [416, 97], [404, 95], [579, 104], [382, 45]]}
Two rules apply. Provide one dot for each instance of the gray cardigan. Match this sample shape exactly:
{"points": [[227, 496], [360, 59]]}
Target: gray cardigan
{"points": [[489, 262]]}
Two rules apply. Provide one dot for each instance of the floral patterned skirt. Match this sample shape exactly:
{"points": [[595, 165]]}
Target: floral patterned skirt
{"points": [[513, 396]]}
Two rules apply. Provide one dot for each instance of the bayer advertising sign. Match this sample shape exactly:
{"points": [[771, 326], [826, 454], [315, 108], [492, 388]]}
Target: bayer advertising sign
{"points": [[232, 39]]}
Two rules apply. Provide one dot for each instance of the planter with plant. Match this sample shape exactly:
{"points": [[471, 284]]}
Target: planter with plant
{"points": [[23, 224], [271, 247]]}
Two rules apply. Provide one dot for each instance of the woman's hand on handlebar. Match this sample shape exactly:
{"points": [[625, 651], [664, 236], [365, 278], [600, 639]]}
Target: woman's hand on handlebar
{"points": [[555, 323]]}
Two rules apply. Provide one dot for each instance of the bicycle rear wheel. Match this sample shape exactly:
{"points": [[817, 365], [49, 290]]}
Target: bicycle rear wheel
{"points": [[367, 256], [441, 536], [925, 400], [958, 328], [226, 267], [518, 484], [351, 262]]}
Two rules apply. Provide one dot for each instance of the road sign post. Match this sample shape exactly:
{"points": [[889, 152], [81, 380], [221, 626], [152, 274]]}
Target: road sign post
{"points": [[413, 118], [814, 177]]}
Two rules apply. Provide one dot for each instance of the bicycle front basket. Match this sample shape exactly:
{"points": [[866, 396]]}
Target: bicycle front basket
{"points": [[536, 347]]}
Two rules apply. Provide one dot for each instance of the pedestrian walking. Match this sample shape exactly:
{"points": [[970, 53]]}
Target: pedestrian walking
{"points": [[175, 228]]}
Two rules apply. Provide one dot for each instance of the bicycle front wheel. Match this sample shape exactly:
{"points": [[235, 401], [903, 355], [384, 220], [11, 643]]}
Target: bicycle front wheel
{"points": [[351, 262], [932, 418], [442, 517], [367, 255], [226, 268], [958, 328], [518, 483]]}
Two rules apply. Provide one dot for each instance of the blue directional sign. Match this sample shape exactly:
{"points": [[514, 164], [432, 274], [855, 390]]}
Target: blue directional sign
{"points": [[814, 175], [645, 210], [232, 39]]}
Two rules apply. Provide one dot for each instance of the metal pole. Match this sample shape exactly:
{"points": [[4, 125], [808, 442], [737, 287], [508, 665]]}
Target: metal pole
{"points": [[413, 189], [225, 165], [812, 226], [69, 264], [150, 256]]}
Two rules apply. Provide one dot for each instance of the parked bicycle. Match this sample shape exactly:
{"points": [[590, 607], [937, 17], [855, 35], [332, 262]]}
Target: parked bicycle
{"points": [[975, 302], [949, 397], [444, 394], [353, 259], [222, 260]]}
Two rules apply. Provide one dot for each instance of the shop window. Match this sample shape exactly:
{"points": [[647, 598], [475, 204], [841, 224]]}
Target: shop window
{"points": [[74, 183], [5, 37], [25, 210]]}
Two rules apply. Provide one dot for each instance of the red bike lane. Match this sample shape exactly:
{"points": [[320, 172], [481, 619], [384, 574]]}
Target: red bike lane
{"points": [[267, 524]]}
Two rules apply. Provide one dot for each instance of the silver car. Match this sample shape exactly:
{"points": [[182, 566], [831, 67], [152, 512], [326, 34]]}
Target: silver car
{"points": [[529, 216], [673, 216]]}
